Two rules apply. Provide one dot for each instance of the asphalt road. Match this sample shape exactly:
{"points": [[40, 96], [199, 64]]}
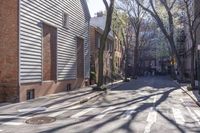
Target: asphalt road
{"points": [[145, 105]]}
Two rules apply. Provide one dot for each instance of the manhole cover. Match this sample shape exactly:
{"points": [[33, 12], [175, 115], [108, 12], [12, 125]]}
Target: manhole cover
{"points": [[40, 120]]}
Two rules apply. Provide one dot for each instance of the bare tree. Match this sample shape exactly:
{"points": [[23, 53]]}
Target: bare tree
{"points": [[121, 30], [136, 16], [192, 21], [109, 10], [168, 30]]}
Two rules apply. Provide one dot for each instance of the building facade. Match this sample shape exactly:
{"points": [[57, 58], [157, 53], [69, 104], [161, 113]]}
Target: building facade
{"points": [[118, 59], [185, 42], [97, 25], [44, 47]]}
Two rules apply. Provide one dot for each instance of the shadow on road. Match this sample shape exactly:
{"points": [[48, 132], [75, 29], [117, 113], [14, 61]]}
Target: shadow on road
{"points": [[158, 83]]}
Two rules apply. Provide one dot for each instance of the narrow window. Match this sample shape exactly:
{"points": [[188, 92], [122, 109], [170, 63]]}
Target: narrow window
{"points": [[30, 94], [69, 87], [66, 20], [98, 42]]}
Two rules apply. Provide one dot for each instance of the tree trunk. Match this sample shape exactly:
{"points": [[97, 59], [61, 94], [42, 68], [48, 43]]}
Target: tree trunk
{"points": [[192, 68], [101, 66], [126, 63], [103, 40], [178, 60], [135, 69]]}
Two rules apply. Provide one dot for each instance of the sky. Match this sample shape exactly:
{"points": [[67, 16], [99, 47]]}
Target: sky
{"points": [[95, 6]]}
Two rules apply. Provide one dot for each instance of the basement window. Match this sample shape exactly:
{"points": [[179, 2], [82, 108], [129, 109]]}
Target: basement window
{"points": [[30, 94], [66, 20], [69, 87]]}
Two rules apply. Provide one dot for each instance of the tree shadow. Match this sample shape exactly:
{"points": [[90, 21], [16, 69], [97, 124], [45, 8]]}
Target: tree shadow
{"points": [[127, 103]]}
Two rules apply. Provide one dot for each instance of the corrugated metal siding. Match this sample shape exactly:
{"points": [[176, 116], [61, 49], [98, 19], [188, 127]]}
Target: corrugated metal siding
{"points": [[32, 14]]}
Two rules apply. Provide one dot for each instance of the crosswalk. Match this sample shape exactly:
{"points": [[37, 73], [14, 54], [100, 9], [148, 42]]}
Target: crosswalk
{"points": [[128, 112], [178, 116], [104, 112]]}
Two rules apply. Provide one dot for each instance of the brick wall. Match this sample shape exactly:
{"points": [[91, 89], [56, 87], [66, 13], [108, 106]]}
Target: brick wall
{"points": [[94, 34], [8, 49]]}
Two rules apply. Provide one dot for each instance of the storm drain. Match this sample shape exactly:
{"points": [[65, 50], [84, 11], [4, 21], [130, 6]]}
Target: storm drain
{"points": [[40, 120]]}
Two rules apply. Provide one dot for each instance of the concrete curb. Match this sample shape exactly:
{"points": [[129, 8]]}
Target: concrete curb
{"points": [[185, 91]]}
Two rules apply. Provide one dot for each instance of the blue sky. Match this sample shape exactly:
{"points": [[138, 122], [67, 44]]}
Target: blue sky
{"points": [[95, 6]]}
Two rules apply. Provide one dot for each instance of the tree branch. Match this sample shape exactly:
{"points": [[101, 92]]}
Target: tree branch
{"points": [[106, 4]]}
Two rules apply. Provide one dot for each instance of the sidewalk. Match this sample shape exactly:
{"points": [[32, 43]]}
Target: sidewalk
{"points": [[194, 95], [70, 98]]}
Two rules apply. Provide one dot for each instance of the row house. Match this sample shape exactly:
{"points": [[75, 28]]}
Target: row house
{"points": [[118, 59], [44, 47], [97, 25]]}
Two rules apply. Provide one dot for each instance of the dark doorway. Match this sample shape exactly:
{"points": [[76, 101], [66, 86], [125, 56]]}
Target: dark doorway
{"points": [[80, 58], [49, 52]]}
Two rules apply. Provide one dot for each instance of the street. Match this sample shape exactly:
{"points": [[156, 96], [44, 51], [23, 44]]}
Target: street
{"points": [[146, 105]]}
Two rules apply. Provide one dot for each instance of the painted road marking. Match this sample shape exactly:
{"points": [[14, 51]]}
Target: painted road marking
{"points": [[148, 128], [14, 117], [193, 115], [129, 111], [197, 112], [105, 112], [178, 116], [128, 114], [13, 123], [57, 106], [57, 113], [155, 99], [75, 107], [151, 119], [82, 113], [32, 109]]}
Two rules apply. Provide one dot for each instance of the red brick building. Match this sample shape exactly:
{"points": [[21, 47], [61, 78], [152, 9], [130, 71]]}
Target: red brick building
{"points": [[97, 25], [113, 65], [44, 47]]}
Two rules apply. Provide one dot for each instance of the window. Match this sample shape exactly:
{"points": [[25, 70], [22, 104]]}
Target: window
{"points": [[66, 20], [98, 42], [30, 94], [69, 87]]}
